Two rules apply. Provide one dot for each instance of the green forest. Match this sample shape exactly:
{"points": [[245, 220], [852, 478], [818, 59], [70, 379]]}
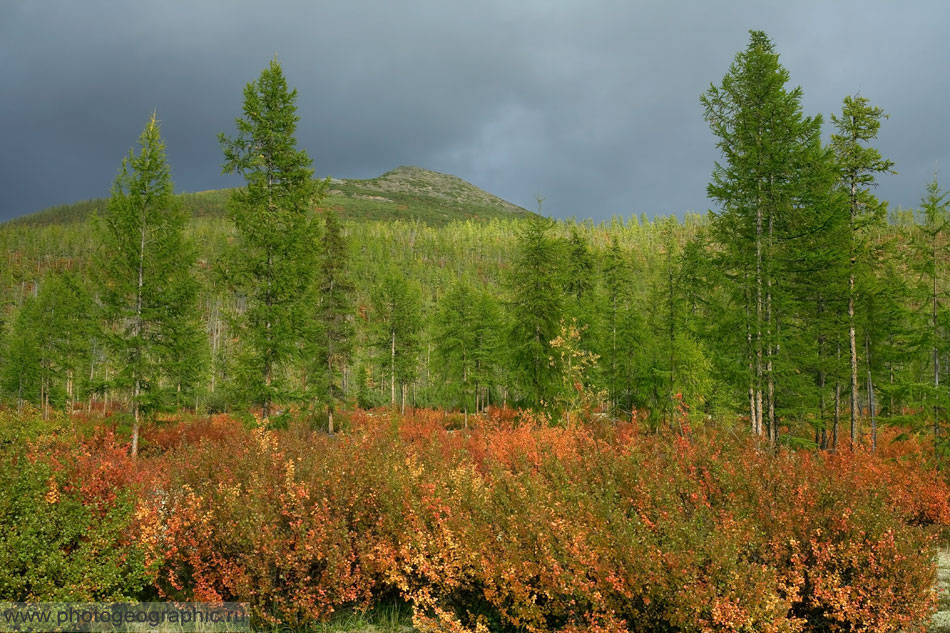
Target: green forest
{"points": [[801, 303], [513, 422]]}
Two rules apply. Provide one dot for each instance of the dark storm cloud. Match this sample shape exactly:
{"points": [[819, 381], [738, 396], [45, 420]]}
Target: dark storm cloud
{"points": [[592, 105]]}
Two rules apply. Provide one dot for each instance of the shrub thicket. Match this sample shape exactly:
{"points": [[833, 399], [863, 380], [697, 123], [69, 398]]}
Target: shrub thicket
{"points": [[511, 525]]}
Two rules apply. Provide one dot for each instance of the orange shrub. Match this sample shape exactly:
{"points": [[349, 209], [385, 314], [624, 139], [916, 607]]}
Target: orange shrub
{"points": [[518, 524]]}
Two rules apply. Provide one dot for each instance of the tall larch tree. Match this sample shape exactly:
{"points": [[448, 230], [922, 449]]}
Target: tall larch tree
{"points": [[931, 257], [22, 355], [145, 267], [620, 329], [763, 140], [858, 166], [273, 262], [536, 308]]}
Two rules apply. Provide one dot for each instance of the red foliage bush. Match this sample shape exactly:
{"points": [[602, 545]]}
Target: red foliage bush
{"points": [[172, 434], [515, 523]]}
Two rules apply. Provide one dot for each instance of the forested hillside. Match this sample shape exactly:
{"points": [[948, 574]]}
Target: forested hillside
{"points": [[803, 305], [645, 293]]}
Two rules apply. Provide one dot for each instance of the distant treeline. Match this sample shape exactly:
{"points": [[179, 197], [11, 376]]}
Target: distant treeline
{"points": [[201, 204]]}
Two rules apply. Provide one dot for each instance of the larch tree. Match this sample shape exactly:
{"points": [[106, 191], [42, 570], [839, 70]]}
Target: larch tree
{"points": [[931, 259], [763, 139], [22, 355], [579, 271], [536, 308], [455, 343], [334, 313], [466, 344], [145, 266], [858, 167], [273, 262], [397, 313], [64, 332]]}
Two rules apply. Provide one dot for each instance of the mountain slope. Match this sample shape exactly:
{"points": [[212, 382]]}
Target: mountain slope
{"points": [[405, 193]]}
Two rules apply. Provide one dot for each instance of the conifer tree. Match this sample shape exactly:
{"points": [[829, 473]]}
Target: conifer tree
{"points": [[818, 288], [22, 354], [467, 342], [145, 265], [621, 330], [63, 332], [334, 313], [536, 308], [579, 269], [858, 168], [273, 263], [188, 355], [397, 307], [930, 261], [765, 141]]}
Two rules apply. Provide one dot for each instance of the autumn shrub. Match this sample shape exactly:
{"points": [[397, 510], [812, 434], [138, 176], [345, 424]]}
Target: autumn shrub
{"points": [[558, 529], [282, 520], [173, 434], [513, 524], [577, 534], [58, 543]]}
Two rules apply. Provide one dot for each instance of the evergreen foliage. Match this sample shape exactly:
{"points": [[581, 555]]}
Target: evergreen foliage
{"points": [[334, 315], [144, 265], [397, 312], [536, 308], [858, 166], [273, 262], [763, 185], [468, 343]]}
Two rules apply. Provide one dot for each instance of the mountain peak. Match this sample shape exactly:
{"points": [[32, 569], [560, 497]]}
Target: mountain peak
{"points": [[404, 193], [418, 181]]}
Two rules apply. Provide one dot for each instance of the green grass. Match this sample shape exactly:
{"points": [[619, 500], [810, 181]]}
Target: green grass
{"points": [[941, 620], [392, 617]]}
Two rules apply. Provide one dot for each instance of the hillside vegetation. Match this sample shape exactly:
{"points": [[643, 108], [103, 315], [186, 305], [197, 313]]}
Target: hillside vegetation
{"points": [[405, 193]]}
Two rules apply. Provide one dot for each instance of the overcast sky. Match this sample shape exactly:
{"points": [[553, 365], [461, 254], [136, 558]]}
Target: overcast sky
{"points": [[592, 104]]}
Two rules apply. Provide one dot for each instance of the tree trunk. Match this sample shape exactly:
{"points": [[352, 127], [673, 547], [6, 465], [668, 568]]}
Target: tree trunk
{"points": [[837, 418], [851, 338], [936, 354], [771, 347], [753, 415], [855, 406], [870, 387], [138, 333], [69, 389], [215, 337], [758, 316], [135, 422], [823, 442]]}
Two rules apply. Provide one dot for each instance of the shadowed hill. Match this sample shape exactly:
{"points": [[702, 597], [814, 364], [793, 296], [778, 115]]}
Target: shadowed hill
{"points": [[405, 193]]}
